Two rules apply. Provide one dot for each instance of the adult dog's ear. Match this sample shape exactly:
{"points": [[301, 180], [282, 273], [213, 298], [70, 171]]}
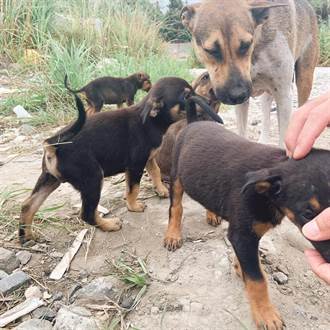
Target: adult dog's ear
{"points": [[260, 9], [188, 14], [151, 109], [263, 182]]}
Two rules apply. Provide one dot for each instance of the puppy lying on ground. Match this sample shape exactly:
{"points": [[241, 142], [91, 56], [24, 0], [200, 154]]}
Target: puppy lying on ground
{"points": [[253, 186], [112, 90], [106, 144]]}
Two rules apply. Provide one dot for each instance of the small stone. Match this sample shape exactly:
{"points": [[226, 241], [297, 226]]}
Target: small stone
{"points": [[3, 274], [72, 318], [127, 302], [46, 295], [99, 290], [32, 292], [35, 324], [196, 307], [26, 129], [56, 255], [44, 313], [83, 274], [255, 122], [8, 260], [72, 292], [57, 296], [29, 244], [13, 282], [154, 310], [280, 278], [24, 257], [21, 112]]}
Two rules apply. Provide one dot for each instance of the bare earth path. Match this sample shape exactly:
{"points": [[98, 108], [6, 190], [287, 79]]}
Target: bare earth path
{"points": [[194, 287]]}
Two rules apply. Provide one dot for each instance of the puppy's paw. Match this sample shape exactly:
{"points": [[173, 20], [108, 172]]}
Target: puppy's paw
{"points": [[162, 191], [212, 219], [109, 224], [136, 207], [172, 242], [268, 318], [26, 236]]}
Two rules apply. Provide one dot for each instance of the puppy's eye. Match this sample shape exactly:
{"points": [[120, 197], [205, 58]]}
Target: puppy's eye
{"points": [[215, 52], [205, 77], [244, 48]]}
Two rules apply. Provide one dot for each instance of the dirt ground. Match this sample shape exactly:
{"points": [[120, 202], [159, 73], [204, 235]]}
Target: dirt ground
{"points": [[194, 287]]}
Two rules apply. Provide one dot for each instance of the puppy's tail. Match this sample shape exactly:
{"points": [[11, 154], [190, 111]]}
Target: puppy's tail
{"points": [[191, 109], [66, 135], [66, 85]]}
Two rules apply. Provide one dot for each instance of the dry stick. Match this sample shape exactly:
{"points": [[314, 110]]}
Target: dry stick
{"points": [[10, 246], [89, 243], [64, 264]]}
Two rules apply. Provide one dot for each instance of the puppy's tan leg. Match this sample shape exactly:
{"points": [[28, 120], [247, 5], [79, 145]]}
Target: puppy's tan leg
{"points": [[45, 185], [173, 238], [154, 172], [107, 224], [132, 192], [90, 110], [212, 219], [119, 105]]}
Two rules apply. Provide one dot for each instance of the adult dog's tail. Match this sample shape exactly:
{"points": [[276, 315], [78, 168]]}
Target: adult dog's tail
{"points": [[67, 134], [191, 109], [69, 88]]}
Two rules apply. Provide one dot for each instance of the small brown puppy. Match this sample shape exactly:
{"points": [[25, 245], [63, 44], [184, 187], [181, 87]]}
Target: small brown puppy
{"points": [[202, 86], [112, 90], [253, 186], [105, 144]]}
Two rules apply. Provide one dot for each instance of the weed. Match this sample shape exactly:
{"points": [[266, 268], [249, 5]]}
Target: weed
{"points": [[325, 44]]}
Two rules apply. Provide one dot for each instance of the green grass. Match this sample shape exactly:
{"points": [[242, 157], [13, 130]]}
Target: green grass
{"points": [[74, 38]]}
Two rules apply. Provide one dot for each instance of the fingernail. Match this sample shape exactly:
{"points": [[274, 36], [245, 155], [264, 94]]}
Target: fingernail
{"points": [[311, 230]]}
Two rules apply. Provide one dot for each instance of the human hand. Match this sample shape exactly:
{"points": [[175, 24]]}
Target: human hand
{"points": [[306, 124], [318, 230]]}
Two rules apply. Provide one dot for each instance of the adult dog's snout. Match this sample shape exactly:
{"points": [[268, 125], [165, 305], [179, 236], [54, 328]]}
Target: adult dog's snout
{"points": [[233, 95]]}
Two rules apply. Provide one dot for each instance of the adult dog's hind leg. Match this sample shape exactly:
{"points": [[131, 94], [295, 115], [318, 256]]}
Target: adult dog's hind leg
{"points": [[173, 238], [133, 178], [245, 244], [155, 175], [45, 185]]}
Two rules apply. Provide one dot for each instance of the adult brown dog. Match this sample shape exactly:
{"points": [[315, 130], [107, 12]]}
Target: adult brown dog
{"points": [[253, 186], [105, 144], [112, 90], [251, 47]]}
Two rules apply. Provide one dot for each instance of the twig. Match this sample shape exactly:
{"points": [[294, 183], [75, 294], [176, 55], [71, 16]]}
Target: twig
{"points": [[10, 246], [89, 243]]}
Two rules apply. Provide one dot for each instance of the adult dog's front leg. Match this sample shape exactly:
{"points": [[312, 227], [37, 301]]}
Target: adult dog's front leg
{"points": [[241, 117], [245, 244], [266, 103], [155, 175], [133, 178]]}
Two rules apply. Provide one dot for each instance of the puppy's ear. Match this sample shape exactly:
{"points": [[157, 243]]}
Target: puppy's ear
{"points": [[187, 15], [263, 183], [260, 9], [152, 109]]}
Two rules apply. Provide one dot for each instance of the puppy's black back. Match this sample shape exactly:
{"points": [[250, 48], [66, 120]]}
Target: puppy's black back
{"points": [[221, 159]]}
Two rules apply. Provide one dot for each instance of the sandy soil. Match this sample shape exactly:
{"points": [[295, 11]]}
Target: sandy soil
{"points": [[194, 287]]}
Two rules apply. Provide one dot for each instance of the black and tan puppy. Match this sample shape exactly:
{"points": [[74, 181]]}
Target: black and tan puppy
{"points": [[106, 144], [112, 90], [202, 86], [253, 188]]}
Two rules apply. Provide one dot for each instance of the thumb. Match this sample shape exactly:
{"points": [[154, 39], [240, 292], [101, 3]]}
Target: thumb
{"points": [[319, 228]]}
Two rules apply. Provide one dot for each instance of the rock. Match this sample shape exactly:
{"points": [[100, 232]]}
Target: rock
{"points": [[24, 257], [3, 274], [44, 313], [196, 307], [280, 278], [8, 260], [46, 295], [13, 281], [21, 112], [26, 129], [154, 310], [57, 296], [127, 302], [99, 290], [72, 318], [33, 291], [35, 324], [56, 254]]}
